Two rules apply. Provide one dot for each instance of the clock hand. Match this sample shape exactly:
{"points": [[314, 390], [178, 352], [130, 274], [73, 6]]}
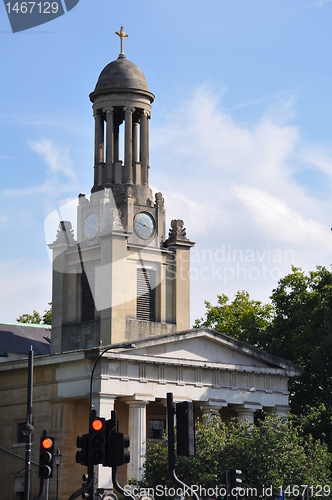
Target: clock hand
{"points": [[94, 227]]}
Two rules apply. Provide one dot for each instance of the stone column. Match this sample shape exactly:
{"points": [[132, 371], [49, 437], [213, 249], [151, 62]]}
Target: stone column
{"points": [[209, 406], [147, 150], [128, 145], [134, 142], [144, 146], [245, 415], [99, 147], [109, 143], [116, 142], [137, 434], [246, 411]]}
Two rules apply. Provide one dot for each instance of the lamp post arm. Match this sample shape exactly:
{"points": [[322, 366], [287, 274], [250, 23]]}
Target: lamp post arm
{"points": [[128, 345]]}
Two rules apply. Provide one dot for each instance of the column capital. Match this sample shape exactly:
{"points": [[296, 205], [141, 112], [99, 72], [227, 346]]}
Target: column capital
{"points": [[138, 400], [144, 112], [108, 110], [245, 412], [97, 112], [129, 110]]}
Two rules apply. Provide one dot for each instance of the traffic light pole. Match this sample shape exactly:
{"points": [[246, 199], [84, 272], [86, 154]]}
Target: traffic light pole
{"points": [[118, 487], [28, 428], [171, 454], [41, 489], [85, 487]]}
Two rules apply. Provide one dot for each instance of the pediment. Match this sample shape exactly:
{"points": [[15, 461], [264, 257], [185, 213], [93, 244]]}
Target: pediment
{"points": [[208, 346]]}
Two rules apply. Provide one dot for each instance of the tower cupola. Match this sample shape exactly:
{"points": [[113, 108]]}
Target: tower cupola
{"points": [[122, 98]]}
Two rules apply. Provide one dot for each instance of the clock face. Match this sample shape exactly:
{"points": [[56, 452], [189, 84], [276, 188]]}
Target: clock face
{"points": [[144, 225], [91, 226]]}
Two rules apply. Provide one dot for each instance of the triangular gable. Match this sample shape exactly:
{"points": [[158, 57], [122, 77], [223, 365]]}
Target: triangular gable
{"points": [[208, 346]]}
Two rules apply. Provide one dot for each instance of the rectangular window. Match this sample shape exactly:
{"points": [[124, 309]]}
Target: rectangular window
{"points": [[146, 283], [88, 291], [156, 428]]}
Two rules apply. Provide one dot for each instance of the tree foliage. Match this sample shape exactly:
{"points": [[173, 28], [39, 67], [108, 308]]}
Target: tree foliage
{"points": [[36, 319], [275, 452], [244, 319], [301, 332], [297, 326]]}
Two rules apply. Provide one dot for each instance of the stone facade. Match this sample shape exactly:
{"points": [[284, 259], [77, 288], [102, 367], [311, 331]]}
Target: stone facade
{"points": [[214, 371]]}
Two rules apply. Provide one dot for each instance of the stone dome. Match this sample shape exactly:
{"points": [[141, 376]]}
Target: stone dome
{"points": [[122, 75]]}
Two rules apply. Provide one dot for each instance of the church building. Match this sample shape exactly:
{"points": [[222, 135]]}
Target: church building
{"points": [[123, 283]]}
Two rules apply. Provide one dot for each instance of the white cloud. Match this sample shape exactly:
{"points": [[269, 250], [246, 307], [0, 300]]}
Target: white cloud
{"points": [[278, 221], [234, 185], [199, 215], [56, 157], [26, 285], [318, 157], [60, 178]]}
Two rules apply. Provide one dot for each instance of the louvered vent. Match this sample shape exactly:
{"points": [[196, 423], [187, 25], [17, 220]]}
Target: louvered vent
{"points": [[146, 282], [88, 289]]}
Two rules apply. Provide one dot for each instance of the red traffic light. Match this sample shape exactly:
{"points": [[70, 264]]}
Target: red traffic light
{"points": [[46, 457], [96, 445], [97, 424], [47, 443]]}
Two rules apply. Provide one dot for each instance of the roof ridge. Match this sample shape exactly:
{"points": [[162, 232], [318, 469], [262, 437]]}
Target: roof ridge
{"points": [[33, 325]]}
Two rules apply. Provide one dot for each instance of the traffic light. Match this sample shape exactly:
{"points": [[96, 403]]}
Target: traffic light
{"points": [[185, 428], [46, 457], [121, 456], [82, 455], [116, 444], [96, 444], [235, 481]]}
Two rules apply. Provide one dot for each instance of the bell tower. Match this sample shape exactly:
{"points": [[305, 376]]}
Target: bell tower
{"points": [[123, 278]]}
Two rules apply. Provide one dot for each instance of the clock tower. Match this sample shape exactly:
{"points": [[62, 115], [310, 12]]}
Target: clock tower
{"points": [[123, 278]]}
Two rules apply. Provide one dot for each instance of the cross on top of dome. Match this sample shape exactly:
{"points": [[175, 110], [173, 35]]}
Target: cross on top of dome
{"points": [[122, 36]]}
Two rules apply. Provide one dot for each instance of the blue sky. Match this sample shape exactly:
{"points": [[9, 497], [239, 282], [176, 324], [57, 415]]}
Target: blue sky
{"points": [[240, 142]]}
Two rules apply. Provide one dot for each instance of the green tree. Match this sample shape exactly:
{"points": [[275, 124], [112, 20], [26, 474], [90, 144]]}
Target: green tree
{"points": [[275, 452], [301, 332], [35, 318], [297, 326], [244, 319]]}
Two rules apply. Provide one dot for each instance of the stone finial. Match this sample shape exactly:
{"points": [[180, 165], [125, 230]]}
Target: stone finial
{"points": [[65, 233], [117, 221], [177, 230], [114, 219], [130, 192], [159, 199]]}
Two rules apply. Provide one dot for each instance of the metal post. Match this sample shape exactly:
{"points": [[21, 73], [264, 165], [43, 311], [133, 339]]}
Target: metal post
{"points": [[171, 453], [28, 428], [57, 461]]}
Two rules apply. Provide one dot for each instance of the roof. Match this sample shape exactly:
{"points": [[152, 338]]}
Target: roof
{"points": [[205, 347], [16, 338], [121, 74]]}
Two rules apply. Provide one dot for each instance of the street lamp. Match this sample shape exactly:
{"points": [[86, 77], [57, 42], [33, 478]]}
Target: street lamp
{"points": [[57, 461], [127, 345]]}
